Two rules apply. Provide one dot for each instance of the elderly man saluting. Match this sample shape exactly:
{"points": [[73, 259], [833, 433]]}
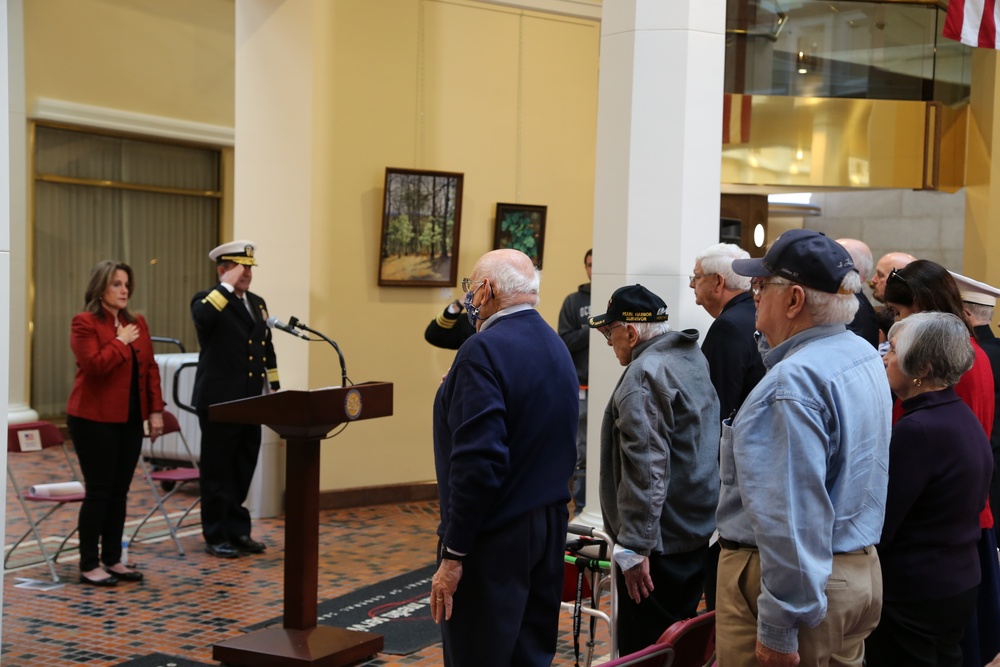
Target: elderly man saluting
{"points": [[504, 449], [804, 469]]}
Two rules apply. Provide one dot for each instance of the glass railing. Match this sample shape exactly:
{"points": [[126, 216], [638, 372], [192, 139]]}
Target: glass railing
{"points": [[845, 49]]}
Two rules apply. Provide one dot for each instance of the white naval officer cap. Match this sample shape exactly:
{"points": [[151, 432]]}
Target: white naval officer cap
{"points": [[241, 252], [974, 291]]}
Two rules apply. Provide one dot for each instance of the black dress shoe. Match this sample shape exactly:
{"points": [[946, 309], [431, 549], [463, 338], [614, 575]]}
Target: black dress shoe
{"points": [[222, 550], [248, 545], [130, 575], [108, 581]]}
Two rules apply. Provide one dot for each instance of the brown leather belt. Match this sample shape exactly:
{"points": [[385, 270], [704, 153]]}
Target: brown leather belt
{"points": [[734, 546]]}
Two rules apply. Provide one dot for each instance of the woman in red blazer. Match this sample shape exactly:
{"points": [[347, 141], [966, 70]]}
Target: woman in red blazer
{"points": [[117, 388]]}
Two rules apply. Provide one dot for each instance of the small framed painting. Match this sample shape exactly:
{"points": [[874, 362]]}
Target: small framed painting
{"points": [[522, 227], [421, 220]]}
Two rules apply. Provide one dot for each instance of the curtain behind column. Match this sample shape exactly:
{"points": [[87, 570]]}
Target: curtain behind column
{"points": [[86, 211]]}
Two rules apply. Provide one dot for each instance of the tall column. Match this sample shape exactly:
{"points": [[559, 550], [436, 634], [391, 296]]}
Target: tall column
{"points": [[659, 151], [273, 187], [13, 6], [18, 405], [982, 175]]}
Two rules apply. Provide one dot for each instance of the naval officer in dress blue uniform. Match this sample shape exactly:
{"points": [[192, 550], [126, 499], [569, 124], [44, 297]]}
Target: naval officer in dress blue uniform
{"points": [[237, 361]]}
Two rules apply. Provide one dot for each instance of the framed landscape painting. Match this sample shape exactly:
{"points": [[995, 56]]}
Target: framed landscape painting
{"points": [[521, 226], [421, 220]]}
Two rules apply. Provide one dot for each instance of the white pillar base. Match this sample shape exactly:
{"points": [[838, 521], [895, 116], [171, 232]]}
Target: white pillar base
{"points": [[20, 414]]}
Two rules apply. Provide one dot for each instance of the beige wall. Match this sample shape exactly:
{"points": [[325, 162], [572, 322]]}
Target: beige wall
{"points": [[172, 59], [506, 97]]}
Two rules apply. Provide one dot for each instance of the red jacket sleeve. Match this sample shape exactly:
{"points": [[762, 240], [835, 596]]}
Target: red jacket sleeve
{"points": [[149, 371], [104, 371]]}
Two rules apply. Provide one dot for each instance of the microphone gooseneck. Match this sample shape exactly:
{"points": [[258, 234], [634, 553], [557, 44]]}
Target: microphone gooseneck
{"points": [[343, 366]]}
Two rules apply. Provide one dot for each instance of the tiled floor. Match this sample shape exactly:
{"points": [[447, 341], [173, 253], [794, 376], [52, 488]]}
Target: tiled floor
{"points": [[189, 603]]}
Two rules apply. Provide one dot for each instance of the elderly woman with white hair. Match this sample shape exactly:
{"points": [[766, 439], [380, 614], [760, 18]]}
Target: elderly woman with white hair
{"points": [[939, 475]]}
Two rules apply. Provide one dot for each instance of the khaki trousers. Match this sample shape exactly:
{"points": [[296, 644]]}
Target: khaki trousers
{"points": [[854, 604]]}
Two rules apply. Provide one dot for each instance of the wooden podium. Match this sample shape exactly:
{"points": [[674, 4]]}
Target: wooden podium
{"points": [[303, 418]]}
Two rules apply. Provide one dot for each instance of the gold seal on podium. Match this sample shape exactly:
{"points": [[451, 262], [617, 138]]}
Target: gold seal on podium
{"points": [[352, 404]]}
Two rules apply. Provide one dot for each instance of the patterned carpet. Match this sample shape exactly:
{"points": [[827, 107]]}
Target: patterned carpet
{"points": [[186, 604]]}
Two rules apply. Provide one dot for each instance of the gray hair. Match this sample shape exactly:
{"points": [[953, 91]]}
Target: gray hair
{"points": [[827, 308], [508, 280], [934, 343], [719, 259], [861, 255], [980, 313], [650, 330]]}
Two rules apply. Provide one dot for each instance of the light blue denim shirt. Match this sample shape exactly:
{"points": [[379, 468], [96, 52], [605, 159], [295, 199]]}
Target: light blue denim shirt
{"points": [[804, 469]]}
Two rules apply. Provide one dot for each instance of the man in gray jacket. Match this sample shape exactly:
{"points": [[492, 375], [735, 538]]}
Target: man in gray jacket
{"points": [[659, 483]]}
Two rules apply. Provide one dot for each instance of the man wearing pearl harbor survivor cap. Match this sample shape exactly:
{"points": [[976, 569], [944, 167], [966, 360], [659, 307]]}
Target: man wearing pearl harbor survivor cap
{"points": [[659, 481], [236, 361], [804, 468]]}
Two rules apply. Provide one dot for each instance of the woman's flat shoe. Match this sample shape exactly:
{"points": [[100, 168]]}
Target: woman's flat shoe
{"points": [[131, 575], [109, 581]]}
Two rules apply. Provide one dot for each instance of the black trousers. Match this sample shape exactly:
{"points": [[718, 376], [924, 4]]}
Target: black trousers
{"points": [[925, 633], [678, 580], [108, 454], [506, 607], [711, 575], [228, 460]]}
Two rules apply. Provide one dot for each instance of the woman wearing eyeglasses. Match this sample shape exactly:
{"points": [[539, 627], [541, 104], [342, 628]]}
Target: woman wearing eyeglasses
{"points": [[926, 286]]}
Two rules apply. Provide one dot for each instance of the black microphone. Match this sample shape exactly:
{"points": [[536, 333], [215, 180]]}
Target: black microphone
{"points": [[275, 323]]}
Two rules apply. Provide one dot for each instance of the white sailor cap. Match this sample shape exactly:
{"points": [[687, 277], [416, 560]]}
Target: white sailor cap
{"points": [[974, 291], [241, 252]]}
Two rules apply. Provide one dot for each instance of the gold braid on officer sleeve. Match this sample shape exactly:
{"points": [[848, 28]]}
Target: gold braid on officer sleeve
{"points": [[272, 375], [217, 299], [444, 322]]}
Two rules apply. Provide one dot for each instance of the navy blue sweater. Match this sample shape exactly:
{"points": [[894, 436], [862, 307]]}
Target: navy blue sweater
{"points": [[734, 361], [940, 466], [504, 428]]}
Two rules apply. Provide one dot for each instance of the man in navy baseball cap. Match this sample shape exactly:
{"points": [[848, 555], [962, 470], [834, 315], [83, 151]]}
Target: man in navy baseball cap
{"points": [[802, 256], [813, 435]]}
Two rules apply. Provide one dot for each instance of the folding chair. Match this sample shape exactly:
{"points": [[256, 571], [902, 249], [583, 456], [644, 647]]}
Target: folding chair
{"points": [[589, 571], [172, 479], [693, 641], [38, 441]]}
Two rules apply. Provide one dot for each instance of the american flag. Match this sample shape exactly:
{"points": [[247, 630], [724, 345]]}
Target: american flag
{"points": [[973, 22], [736, 119]]}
